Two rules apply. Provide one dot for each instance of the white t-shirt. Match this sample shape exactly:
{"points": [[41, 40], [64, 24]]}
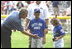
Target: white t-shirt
{"points": [[43, 9], [68, 11]]}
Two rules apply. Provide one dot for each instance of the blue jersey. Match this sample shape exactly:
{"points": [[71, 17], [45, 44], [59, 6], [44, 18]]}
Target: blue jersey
{"points": [[58, 31], [37, 26]]}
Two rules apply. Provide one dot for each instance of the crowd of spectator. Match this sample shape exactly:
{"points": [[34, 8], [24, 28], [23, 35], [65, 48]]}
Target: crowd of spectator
{"points": [[53, 6]]}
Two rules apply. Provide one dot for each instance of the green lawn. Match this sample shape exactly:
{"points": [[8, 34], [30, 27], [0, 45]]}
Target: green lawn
{"points": [[20, 40]]}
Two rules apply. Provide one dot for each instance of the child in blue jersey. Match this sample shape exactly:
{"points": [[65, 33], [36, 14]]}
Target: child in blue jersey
{"points": [[58, 33], [37, 26]]}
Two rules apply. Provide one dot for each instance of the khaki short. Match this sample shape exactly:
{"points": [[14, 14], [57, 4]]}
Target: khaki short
{"points": [[37, 43]]}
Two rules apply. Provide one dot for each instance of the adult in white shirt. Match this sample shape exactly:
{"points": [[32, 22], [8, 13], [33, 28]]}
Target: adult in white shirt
{"points": [[43, 8], [38, 5], [68, 11]]}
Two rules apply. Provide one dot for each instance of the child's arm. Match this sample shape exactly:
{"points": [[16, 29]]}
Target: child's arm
{"points": [[44, 38], [57, 38], [61, 32]]}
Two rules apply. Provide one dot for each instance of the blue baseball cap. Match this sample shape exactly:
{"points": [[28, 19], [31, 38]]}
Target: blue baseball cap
{"points": [[36, 10]]}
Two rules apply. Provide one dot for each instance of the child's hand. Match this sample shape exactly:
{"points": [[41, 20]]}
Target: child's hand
{"points": [[56, 38], [35, 36]]}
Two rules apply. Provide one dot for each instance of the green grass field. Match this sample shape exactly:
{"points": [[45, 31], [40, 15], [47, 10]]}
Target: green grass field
{"points": [[20, 40]]}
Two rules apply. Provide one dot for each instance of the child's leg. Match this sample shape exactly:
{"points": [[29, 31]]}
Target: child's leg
{"points": [[40, 43], [33, 43], [59, 43], [62, 43]]}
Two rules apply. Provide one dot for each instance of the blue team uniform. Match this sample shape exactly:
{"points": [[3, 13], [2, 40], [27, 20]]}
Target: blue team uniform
{"points": [[58, 31], [37, 26]]}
